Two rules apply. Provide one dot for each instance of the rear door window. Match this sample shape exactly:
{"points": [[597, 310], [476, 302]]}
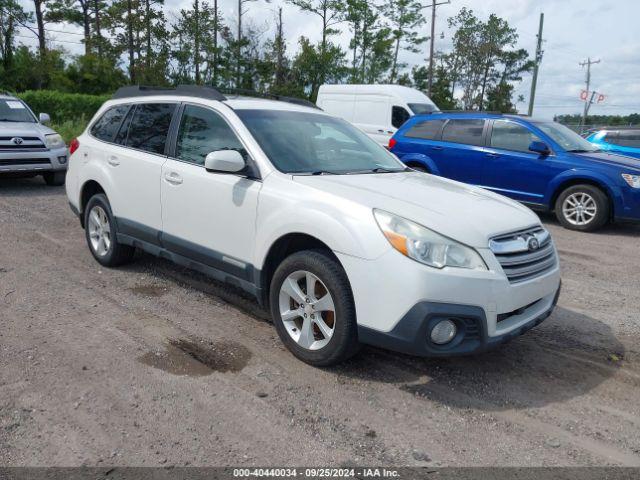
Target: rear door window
{"points": [[426, 130], [150, 126], [399, 115], [465, 131], [107, 125], [508, 135]]}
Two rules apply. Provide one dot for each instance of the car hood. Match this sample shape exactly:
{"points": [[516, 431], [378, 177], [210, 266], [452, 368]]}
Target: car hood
{"points": [[464, 213], [615, 159], [23, 129]]}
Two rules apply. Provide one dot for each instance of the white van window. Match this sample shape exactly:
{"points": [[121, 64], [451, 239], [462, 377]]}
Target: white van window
{"points": [[399, 115]]}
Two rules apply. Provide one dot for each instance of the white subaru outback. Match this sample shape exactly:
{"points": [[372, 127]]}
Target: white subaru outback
{"points": [[342, 242]]}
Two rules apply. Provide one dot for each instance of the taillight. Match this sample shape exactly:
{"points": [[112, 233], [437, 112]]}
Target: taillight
{"points": [[392, 143], [73, 146]]}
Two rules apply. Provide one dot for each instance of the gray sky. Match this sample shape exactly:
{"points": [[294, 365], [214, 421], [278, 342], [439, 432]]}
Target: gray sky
{"points": [[573, 31]]}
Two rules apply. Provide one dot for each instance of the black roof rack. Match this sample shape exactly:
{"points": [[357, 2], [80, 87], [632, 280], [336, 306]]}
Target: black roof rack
{"points": [[269, 96], [186, 90]]}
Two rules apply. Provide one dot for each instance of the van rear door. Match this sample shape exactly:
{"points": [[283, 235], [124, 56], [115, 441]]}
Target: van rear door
{"points": [[373, 116]]}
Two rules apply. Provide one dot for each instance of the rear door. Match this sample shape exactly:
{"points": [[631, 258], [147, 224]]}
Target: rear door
{"points": [[460, 153], [135, 163], [510, 168]]}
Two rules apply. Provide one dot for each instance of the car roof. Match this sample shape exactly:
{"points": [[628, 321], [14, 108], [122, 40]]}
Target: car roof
{"points": [[476, 115]]}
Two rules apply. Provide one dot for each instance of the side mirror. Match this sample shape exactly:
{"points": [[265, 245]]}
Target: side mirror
{"points": [[227, 161], [539, 147], [44, 118]]}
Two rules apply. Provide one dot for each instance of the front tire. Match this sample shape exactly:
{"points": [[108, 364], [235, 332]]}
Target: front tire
{"points": [[54, 179], [101, 234], [584, 208], [313, 309]]}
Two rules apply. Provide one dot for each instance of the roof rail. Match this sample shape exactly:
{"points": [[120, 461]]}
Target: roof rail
{"points": [[186, 90], [270, 96]]}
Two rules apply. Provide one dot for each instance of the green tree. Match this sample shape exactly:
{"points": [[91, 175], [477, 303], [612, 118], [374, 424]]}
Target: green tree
{"points": [[404, 16]]}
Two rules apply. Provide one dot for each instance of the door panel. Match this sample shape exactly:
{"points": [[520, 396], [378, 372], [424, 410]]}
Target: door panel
{"points": [[136, 169], [209, 217], [510, 168], [460, 154], [373, 116]]}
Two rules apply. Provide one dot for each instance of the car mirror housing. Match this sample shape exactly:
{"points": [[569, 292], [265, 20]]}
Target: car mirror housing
{"points": [[539, 147], [44, 118], [227, 161]]}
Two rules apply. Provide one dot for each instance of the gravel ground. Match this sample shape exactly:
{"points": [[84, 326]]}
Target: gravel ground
{"points": [[154, 365]]}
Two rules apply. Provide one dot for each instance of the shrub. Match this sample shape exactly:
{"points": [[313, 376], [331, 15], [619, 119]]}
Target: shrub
{"points": [[70, 129], [63, 107]]}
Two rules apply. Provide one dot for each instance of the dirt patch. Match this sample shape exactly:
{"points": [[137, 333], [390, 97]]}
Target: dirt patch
{"points": [[149, 290], [196, 357]]}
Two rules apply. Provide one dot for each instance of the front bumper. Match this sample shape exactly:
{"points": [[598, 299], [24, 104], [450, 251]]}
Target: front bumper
{"points": [[397, 300], [34, 161], [411, 334], [629, 208]]}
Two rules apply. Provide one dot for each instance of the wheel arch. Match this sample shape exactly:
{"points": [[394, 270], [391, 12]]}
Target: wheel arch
{"points": [[284, 246], [419, 159], [582, 180], [88, 190]]}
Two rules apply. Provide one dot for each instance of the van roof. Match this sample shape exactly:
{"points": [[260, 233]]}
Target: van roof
{"points": [[406, 93]]}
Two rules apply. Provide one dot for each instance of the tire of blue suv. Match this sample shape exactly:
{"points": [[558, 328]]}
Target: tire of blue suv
{"points": [[313, 309], [100, 231], [54, 179], [582, 207]]}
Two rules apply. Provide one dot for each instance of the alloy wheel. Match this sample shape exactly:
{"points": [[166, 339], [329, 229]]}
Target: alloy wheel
{"points": [[579, 208], [99, 231], [307, 310]]}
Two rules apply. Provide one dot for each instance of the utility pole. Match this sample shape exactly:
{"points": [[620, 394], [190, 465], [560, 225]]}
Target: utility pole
{"points": [[587, 104], [539, 53], [433, 6]]}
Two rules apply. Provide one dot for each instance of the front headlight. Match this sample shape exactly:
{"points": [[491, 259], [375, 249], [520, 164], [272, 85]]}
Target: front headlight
{"points": [[426, 246], [632, 180], [53, 141]]}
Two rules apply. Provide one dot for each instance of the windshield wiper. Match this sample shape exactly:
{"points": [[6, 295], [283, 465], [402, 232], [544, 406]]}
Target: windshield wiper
{"points": [[316, 172], [380, 170], [12, 120]]}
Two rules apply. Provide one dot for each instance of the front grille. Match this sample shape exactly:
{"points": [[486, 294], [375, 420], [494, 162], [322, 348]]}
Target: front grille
{"points": [[17, 143], [24, 161], [519, 258]]}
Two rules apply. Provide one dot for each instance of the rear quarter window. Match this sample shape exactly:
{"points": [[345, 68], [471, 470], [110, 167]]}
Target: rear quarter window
{"points": [[150, 126], [107, 125]]}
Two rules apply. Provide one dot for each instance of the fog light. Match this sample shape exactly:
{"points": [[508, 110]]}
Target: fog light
{"points": [[62, 160], [443, 332]]}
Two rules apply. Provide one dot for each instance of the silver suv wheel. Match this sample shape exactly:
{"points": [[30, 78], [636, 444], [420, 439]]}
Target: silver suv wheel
{"points": [[307, 310], [99, 231]]}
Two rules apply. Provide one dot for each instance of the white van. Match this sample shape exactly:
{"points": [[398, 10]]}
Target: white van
{"points": [[378, 110]]}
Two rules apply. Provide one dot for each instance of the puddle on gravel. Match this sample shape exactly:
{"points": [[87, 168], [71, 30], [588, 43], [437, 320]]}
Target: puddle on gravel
{"points": [[197, 358], [149, 290]]}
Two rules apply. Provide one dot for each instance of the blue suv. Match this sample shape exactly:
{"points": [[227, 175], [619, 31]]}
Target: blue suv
{"points": [[540, 163], [623, 140]]}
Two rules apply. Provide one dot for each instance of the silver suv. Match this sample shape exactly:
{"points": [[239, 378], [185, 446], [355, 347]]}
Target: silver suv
{"points": [[27, 146]]}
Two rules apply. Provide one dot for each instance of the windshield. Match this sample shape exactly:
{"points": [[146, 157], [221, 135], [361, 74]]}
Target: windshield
{"points": [[15, 111], [565, 137], [419, 108], [302, 142]]}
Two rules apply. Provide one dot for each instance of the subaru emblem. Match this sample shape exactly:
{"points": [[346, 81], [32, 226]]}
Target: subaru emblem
{"points": [[533, 244]]}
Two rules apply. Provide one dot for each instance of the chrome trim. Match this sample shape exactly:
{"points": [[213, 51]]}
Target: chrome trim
{"points": [[518, 241]]}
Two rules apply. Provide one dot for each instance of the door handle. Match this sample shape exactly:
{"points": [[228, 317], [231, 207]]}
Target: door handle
{"points": [[493, 154], [113, 161], [436, 147], [173, 178], [380, 130]]}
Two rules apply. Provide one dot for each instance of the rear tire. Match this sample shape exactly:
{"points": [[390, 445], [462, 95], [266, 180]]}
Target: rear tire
{"points": [[319, 325], [54, 179], [584, 208], [100, 231]]}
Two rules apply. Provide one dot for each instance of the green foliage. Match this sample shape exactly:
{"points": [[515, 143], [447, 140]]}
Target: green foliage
{"points": [[70, 129], [611, 120], [63, 106]]}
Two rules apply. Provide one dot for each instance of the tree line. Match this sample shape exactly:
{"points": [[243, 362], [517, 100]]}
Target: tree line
{"points": [[139, 42]]}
